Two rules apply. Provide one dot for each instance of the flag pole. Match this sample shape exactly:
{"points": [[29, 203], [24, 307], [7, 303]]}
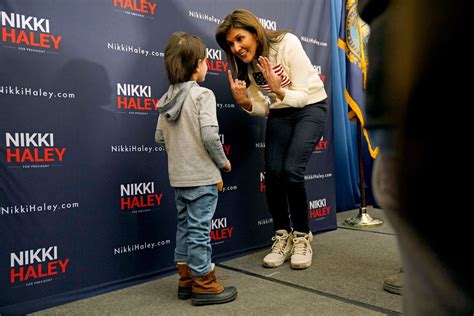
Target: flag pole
{"points": [[363, 219]]}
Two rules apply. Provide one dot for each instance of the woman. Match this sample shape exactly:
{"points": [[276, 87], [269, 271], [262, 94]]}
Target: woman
{"points": [[276, 78]]}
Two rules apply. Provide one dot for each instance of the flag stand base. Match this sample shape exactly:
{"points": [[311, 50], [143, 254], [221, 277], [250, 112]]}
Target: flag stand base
{"points": [[363, 219]]}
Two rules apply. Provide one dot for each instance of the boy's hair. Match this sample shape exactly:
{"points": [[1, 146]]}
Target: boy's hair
{"points": [[182, 53]]}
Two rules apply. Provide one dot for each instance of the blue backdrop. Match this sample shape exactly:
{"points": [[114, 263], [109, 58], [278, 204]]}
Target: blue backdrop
{"points": [[85, 202]]}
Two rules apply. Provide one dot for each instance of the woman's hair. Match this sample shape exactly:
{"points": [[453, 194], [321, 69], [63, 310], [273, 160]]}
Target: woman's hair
{"points": [[244, 19], [182, 53]]}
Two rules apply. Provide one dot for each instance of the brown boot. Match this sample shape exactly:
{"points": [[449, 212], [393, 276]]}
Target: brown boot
{"points": [[185, 284], [206, 291]]}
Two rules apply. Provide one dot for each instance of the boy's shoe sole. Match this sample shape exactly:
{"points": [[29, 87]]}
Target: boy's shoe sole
{"points": [[209, 299], [184, 293]]}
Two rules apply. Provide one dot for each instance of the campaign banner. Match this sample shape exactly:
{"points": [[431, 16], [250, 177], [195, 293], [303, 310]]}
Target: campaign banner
{"points": [[85, 200]]}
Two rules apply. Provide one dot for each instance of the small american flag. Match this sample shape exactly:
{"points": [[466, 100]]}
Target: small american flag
{"points": [[262, 83]]}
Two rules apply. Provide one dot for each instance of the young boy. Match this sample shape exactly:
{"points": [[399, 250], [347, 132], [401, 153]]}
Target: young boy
{"points": [[188, 128]]}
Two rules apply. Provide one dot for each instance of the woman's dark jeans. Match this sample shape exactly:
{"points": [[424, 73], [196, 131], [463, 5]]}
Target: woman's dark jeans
{"points": [[291, 136]]}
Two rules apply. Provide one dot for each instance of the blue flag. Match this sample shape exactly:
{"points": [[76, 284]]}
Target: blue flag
{"points": [[353, 37]]}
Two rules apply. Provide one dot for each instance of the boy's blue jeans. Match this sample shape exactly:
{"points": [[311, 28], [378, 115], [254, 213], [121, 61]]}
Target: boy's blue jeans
{"points": [[196, 207]]}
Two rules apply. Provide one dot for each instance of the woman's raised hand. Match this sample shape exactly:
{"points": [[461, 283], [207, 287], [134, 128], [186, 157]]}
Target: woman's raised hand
{"points": [[273, 80], [238, 88]]}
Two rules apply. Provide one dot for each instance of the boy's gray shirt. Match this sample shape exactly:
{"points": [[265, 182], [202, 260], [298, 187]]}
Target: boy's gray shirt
{"points": [[187, 115]]}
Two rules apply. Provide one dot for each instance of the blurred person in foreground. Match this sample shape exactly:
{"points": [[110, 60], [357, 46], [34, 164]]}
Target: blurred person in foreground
{"points": [[414, 103]]}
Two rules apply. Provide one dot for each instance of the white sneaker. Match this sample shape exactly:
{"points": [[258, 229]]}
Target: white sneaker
{"points": [[302, 253], [281, 249]]}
